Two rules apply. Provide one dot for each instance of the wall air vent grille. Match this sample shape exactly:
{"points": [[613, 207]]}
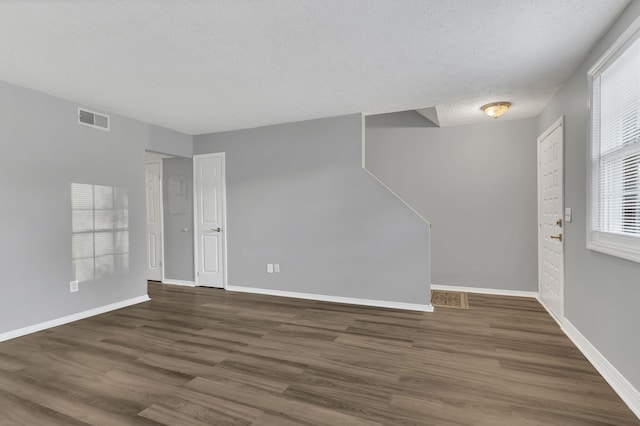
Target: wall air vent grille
{"points": [[93, 119]]}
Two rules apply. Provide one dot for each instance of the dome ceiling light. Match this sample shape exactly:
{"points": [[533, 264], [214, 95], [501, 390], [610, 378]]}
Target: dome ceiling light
{"points": [[496, 109]]}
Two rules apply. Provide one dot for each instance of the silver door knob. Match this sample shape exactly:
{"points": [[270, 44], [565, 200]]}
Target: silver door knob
{"points": [[218, 229]]}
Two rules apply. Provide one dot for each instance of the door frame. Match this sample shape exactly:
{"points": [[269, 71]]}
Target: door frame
{"points": [[225, 229], [558, 123], [160, 212]]}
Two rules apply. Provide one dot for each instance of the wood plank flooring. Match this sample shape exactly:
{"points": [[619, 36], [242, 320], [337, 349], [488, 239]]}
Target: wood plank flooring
{"points": [[207, 357]]}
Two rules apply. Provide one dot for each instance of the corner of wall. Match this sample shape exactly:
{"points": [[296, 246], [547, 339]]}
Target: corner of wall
{"points": [[364, 167]]}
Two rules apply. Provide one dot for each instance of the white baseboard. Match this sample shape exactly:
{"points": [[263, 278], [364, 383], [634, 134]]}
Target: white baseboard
{"points": [[179, 282], [629, 394], [495, 291], [559, 321], [71, 318], [335, 299]]}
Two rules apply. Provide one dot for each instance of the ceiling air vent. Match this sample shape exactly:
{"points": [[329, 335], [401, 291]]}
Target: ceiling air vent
{"points": [[93, 119]]}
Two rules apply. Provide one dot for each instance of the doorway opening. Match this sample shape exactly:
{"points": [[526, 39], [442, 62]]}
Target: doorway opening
{"points": [[154, 215]]}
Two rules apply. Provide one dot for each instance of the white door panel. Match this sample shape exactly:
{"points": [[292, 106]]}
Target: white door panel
{"points": [[209, 219], [550, 218], [153, 258], [154, 220], [210, 262]]}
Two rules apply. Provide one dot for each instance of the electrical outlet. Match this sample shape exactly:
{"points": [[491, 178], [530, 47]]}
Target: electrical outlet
{"points": [[276, 268], [73, 286], [270, 268]]}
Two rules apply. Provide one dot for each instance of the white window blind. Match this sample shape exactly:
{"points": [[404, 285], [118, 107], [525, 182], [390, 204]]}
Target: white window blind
{"points": [[615, 151], [100, 231]]}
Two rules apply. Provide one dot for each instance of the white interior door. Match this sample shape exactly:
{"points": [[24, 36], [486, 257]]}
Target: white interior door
{"points": [[550, 219], [154, 220], [209, 187]]}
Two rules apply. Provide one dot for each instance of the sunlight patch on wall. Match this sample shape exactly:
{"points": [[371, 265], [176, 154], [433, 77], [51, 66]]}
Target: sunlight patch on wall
{"points": [[100, 231]]}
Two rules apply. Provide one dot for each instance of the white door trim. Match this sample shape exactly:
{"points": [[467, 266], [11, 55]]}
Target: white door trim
{"points": [[558, 123], [160, 212], [225, 229]]}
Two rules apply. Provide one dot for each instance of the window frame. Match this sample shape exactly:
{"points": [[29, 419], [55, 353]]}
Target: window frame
{"points": [[614, 244]]}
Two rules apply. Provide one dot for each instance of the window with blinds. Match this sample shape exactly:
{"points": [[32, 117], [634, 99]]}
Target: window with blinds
{"points": [[100, 231], [615, 150]]}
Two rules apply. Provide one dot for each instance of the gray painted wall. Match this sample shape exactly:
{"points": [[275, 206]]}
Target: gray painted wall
{"points": [[601, 291], [42, 151], [168, 141], [178, 244], [298, 196], [476, 184]]}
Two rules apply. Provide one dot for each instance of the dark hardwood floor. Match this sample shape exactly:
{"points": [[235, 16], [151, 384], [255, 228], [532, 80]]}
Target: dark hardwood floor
{"points": [[207, 357]]}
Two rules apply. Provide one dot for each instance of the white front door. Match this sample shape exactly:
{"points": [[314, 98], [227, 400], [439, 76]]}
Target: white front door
{"points": [[550, 219], [154, 220], [209, 212]]}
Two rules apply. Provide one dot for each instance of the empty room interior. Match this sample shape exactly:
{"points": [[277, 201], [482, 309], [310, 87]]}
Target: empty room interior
{"points": [[320, 212]]}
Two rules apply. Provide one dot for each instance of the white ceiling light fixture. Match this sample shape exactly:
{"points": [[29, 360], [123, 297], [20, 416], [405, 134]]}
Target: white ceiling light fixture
{"points": [[496, 109]]}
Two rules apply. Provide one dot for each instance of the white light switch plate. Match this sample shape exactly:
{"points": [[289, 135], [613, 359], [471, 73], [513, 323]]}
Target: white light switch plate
{"points": [[276, 268], [567, 214], [270, 268], [73, 286]]}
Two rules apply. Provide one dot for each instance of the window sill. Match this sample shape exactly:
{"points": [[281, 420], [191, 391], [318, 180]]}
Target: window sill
{"points": [[627, 252]]}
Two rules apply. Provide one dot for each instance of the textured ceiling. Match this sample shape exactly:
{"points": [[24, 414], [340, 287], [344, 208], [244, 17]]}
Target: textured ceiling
{"points": [[201, 66]]}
